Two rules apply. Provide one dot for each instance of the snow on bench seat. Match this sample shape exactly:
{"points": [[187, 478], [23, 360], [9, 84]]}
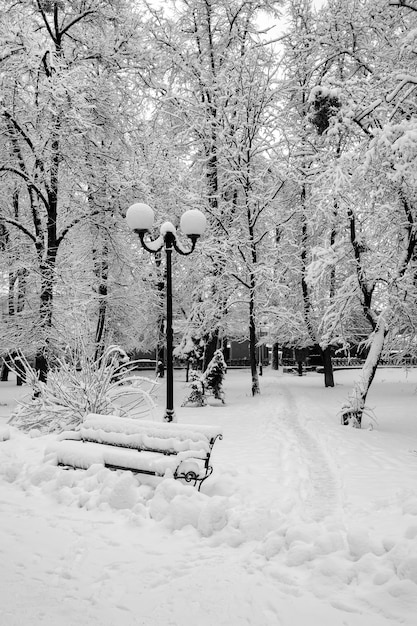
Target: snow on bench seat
{"points": [[170, 438], [137, 445]]}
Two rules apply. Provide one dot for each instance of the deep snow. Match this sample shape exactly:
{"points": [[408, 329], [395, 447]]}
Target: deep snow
{"points": [[303, 521]]}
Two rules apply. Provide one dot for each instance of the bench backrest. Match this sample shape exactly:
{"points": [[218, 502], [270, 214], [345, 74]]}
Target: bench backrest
{"points": [[167, 437]]}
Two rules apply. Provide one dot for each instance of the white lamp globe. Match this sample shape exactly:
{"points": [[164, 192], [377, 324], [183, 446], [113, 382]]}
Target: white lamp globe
{"points": [[193, 223], [140, 217]]}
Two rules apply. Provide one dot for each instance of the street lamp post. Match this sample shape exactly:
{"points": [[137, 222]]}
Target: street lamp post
{"points": [[140, 218]]}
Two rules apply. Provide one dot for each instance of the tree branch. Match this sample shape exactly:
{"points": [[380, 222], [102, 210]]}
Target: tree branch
{"points": [[20, 226], [411, 236], [240, 280], [74, 222], [42, 12], [75, 20], [402, 3], [22, 133], [29, 183]]}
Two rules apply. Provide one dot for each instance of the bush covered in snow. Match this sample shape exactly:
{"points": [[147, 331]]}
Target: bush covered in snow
{"points": [[211, 381], [80, 384], [196, 395], [214, 375]]}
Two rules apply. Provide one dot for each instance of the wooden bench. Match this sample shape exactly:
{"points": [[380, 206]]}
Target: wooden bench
{"points": [[143, 447]]}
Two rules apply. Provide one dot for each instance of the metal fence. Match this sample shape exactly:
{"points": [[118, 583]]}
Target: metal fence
{"points": [[355, 362]]}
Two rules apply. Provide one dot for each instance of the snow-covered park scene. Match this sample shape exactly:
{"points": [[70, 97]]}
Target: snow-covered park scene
{"points": [[208, 312]]}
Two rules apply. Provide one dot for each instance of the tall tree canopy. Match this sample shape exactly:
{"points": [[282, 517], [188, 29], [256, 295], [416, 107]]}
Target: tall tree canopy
{"points": [[299, 146]]}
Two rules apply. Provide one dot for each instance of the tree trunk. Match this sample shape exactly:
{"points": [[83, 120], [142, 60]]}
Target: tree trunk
{"points": [[225, 349], [21, 288], [252, 343], [210, 348], [102, 274], [5, 369], [41, 364], [48, 256], [275, 357], [328, 367], [42, 357], [101, 326], [11, 294], [352, 413]]}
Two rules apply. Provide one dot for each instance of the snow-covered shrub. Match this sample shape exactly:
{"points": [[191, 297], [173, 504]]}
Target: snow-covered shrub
{"points": [[79, 385], [196, 394], [213, 377], [211, 381]]}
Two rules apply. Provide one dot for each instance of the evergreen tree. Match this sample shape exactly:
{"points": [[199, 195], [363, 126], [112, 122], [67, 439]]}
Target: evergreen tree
{"points": [[214, 375]]}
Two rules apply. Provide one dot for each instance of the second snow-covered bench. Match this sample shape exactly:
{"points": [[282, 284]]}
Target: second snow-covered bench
{"points": [[140, 446]]}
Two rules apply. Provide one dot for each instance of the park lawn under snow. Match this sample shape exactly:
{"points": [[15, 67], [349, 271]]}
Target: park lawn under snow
{"points": [[303, 521]]}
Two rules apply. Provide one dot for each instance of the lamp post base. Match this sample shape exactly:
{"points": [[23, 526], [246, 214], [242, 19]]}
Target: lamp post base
{"points": [[169, 415]]}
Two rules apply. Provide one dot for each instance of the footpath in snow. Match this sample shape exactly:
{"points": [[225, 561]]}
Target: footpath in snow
{"points": [[302, 522]]}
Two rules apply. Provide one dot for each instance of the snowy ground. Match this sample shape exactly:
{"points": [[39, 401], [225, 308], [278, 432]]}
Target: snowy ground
{"points": [[302, 522]]}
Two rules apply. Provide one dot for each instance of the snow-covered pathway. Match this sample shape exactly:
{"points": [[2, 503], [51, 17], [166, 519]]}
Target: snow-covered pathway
{"points": [[303, 521], [304, 459]]}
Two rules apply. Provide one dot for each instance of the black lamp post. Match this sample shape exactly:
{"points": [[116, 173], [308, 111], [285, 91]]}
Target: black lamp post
{"points": [[140, 218]]}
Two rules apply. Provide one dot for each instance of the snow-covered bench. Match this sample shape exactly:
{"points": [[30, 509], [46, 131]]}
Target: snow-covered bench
{"points": [[140, 446]]}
